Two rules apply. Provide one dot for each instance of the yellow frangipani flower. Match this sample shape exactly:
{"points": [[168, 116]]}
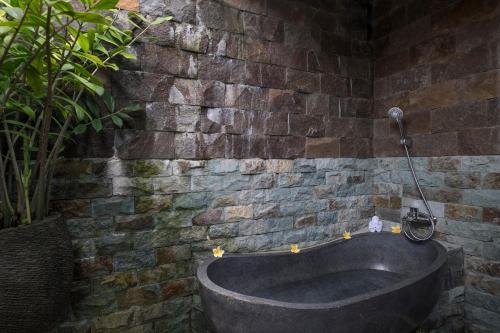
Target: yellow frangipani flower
{"points": [[294, 248], [346, 235], [396, 229], [218, 252]]}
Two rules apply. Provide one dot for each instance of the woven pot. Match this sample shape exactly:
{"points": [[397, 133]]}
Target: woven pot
{"points": [[36, 271]]}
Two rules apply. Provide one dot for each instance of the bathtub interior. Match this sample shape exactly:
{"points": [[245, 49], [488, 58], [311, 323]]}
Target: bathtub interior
{"points": [[327, 273]]}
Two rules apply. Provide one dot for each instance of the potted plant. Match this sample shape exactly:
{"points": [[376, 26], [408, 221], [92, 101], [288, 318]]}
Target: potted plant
{"points": [[52, 53]]}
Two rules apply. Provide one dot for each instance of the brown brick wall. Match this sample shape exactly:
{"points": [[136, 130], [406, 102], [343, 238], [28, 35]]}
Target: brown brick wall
{"points": [[242, 79], [439, 61]]}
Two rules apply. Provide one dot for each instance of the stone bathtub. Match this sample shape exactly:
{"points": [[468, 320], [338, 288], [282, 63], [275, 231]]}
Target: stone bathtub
{"points": [[370, 283]]}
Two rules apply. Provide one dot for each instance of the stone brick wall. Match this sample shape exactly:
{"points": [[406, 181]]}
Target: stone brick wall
{"points": [[439, 61], [236, 95], [140, 227], [448, 314], [464, 193], [244, 79]]}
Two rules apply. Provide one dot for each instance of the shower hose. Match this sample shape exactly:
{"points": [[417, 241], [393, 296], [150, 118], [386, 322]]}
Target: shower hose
{"points": [[407, 230]]}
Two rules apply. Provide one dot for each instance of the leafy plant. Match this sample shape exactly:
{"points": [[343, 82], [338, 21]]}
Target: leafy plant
{"points": [[52, 53]]}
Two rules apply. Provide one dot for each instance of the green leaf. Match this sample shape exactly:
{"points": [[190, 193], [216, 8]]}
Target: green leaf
{"points": [[89, 85], [95, 59], [4, 30], [109, 101], [80, 112], [105, 4], [34, 80], [15, 12], [117, 120], [63, 6], [19, 124], [81, 128], [94, 109], [91, 18], [97, 124], [109, 40], [124, 116], [128, 55], [160, 20], [28, 111], [67, 67], [91, 36], [84, 43], [138, 15], [112, 66], [133, 108]]}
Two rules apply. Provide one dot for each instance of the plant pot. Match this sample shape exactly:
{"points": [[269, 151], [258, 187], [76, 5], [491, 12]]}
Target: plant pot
{"points": [[36, 271]]}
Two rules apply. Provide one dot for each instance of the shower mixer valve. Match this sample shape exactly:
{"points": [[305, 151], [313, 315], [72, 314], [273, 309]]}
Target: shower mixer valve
{"points": [[418, 218]]}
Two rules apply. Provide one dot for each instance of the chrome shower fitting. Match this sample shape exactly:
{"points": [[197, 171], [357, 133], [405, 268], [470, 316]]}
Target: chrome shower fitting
{"points": [[396, 114], [414, 217]]}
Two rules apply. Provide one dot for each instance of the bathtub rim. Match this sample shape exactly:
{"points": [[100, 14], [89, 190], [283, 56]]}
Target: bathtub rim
{"points": [[207, 283]]}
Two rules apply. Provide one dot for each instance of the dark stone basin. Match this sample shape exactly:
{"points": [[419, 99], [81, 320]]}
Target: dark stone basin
{"points": [[371, 283]]}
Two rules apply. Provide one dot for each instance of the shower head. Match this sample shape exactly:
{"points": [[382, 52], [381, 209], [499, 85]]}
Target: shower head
{"points": [[395, 113]]}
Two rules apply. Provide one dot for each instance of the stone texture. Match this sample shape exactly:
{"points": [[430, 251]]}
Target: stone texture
{"points": [[138, 249], [278, 79], [154, 87], [262, 27], [132, 144], [210, 216], [173, 254], [254, 49], [246, 97], [316, 147], [221, 69], [463, 179], [239, 56], [462, 213], [442, 64], [237, 213], [470, 216], [192, 37], [181, 10], [197, 92], [302, 81], [217, 16], [179, 63], [286, 101]]}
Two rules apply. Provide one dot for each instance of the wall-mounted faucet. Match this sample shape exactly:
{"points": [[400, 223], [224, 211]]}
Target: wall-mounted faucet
{"points": [[414, 216]]}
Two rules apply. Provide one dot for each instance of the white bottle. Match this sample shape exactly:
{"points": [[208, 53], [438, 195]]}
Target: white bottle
{"points": [[375, 224]]}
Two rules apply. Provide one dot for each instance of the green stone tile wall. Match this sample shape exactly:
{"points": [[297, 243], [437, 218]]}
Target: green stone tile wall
{"points": [[140, 227], [464, 193]]}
